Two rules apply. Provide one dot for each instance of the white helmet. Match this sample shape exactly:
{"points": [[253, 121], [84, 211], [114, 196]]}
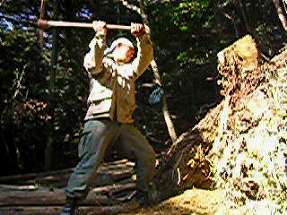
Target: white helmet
{"points": [[115, 43]]}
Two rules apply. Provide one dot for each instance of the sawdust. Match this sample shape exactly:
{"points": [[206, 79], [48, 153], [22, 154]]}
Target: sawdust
{"points": [[193, 201]]}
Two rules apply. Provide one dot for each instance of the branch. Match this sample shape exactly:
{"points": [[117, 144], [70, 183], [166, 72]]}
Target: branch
{"points": [[2, 2], [18, 82], [154, 66], [280, 13], [131, 6], [232, 19], [167, 116]]}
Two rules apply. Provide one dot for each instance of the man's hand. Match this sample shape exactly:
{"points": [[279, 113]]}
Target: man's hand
{"points": [[139, 29], [100, 27]]}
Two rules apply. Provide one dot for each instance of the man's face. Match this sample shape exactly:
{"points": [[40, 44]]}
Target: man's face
{"points": [[123, 53]]}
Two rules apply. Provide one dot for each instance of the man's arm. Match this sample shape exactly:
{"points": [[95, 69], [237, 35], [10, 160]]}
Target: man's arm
{"points": [[145, 49], [93, 61]]}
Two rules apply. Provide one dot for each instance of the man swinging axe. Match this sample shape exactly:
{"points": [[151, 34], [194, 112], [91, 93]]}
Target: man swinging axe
{"points": [[113, 72]]}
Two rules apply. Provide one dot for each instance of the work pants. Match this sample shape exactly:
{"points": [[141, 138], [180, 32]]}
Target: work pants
{"points": [[96, 137]]}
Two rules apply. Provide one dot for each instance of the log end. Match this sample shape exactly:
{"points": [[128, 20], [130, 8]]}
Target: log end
{"points": [[244, 53], [239, 66]]}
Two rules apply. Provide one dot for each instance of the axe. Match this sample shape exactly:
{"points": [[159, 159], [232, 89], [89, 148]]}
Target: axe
{"points": [[44, 24]]}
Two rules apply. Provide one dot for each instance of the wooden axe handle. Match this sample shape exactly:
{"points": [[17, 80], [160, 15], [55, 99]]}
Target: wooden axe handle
{"points": [[43, 24]]}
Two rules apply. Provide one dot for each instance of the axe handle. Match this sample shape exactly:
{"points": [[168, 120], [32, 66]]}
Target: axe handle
{"points": [[43, 24]]}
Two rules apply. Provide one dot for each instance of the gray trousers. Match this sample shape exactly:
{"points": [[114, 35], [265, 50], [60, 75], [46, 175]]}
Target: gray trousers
{"points": [[97, 135]]}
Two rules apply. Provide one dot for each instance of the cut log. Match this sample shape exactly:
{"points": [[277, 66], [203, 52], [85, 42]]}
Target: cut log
{"points": [[240, 67], [43, 196], [108, 173], [6, 187], [243, 52], [108, 210], [188, 162], [230, 141], [119, 164], [30, 176], [114, 189]]}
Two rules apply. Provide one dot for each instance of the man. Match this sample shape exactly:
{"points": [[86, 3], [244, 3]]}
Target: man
{"points": [[113, 72]]}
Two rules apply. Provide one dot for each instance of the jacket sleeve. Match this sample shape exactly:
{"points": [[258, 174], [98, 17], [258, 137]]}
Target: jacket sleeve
{"points": [[144, 55], [93, 61]]}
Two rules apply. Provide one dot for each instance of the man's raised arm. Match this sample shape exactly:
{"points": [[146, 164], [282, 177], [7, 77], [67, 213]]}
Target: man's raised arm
{"points": [[145, 49], [93, 61]]}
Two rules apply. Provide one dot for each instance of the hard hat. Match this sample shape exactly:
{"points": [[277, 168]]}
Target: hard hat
{"points": [[115, 43]]}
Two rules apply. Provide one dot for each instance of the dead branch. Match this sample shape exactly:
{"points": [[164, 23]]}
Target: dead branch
{"points": [[170, 126], [281, 14], [2, 2], [17, 82], [130, 6]]}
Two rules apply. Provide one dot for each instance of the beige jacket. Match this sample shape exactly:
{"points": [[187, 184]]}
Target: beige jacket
{"points": [[112, 85]]}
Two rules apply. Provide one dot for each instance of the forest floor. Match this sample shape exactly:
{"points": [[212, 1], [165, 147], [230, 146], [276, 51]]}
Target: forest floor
{"points": [[193, 201], [201, 202]]}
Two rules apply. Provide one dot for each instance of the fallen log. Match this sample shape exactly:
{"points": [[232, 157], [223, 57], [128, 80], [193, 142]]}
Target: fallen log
{"points": [[188, 161], [45, 197], [7, 187], [30, 176], [52, 210], [108, 173], [114, 189]]}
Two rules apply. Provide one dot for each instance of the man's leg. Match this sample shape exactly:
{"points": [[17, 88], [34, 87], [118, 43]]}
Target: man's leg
{"points": [[96, 136], [133, 141]]}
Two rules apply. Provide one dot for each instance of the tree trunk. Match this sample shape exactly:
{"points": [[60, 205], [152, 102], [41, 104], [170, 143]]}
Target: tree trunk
{"points": [[240, 145], [50, 140]]}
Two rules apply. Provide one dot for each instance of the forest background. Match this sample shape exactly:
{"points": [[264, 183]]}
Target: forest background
{"points": [[44, 89]]}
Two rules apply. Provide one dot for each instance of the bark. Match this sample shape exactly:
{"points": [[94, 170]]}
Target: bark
{"points": [[44, 197], [52, 210], [189, 160], [50, 141]]}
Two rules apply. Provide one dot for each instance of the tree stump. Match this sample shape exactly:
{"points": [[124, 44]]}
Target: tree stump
{"points": [[240, 145]]}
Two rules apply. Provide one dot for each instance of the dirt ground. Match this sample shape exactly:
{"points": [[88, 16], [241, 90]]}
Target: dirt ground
{"points": [[194, 201]]}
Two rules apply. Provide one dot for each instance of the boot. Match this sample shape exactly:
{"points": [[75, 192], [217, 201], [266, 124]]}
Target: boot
{"points": [[70, 207], [146, 198]]}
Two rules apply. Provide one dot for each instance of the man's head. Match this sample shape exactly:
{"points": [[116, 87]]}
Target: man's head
{"points": [[122, 50]]}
